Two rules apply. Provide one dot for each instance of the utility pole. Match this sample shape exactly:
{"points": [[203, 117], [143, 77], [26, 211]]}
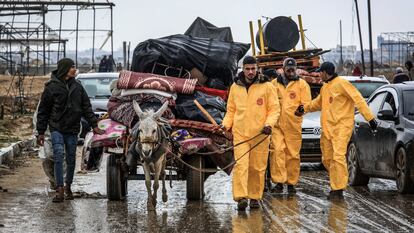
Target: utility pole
{"points": [[371, 56], [340, 35], [360, 37]]}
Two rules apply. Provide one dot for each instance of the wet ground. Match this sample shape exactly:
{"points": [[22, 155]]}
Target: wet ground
{"points": [[27, 207]]}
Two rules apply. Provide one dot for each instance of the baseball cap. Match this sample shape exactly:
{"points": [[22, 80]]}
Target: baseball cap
{"points": [[289, 63]]}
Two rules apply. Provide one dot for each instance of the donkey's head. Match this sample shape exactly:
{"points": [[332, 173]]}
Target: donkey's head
{"points": [[148, 132]]}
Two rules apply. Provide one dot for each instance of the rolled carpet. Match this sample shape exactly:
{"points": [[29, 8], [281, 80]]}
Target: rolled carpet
{"points": [[135, 80]]}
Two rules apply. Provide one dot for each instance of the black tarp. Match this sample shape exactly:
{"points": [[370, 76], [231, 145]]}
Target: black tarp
{"points": [[186, 108], [204, 29], [215, 59]]}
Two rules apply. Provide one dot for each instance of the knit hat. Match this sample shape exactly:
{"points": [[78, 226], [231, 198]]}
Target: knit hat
{"points": [[64, 66]]}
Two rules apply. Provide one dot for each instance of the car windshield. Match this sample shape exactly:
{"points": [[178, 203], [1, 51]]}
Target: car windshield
{"points": [[97, 87], [367, 88]]}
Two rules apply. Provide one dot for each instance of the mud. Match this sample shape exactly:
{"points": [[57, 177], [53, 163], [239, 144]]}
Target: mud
{"points": [[27, 207]]}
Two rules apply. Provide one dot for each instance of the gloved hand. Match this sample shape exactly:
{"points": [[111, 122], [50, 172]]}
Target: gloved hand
{"points": [[267, 130], [373, 124], [300, 111], [97, 130], [40, 140]]}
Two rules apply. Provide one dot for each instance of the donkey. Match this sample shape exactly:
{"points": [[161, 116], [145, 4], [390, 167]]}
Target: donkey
{"points": [[151, 144]]}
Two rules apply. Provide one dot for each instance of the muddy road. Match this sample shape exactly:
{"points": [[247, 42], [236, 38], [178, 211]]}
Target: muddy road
{"points": [[27, 207]]}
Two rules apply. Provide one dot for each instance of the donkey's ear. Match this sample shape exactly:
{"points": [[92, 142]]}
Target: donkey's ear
{"points": [[160, 111], [137, 109]]}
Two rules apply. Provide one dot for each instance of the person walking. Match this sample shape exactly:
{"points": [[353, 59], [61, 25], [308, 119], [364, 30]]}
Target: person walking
{"points": [[63, 102], [337, 101], [252, 110], [287, 135]]}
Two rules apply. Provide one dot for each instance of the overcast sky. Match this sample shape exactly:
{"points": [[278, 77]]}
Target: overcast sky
{"points": [[139, 20]]}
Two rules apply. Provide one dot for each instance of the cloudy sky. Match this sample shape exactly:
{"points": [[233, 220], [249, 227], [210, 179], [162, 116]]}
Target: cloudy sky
{"points": [[138, 20]]}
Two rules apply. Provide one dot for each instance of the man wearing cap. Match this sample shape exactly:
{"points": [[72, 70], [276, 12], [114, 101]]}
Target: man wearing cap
{"points": [[62, 104], [337, 101], [287, 134], [252, 110]]}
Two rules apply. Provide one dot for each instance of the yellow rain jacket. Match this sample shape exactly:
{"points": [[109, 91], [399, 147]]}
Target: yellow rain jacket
{"points": [[248, 111], [287, 135], [337, 101]]}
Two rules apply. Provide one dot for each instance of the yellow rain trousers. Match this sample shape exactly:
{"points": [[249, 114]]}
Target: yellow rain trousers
{"points": [[287, 135], [337, 101], [247, 113]]}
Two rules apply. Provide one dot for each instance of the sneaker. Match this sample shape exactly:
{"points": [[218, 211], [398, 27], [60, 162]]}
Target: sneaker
{"points": [[278, 188], [254, 204], [336, 194], [242, 204], [291, 189]]}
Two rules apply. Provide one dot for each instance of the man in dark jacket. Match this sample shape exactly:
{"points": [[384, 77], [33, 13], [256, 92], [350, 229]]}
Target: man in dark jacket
{"points": [[62, 104], [400, 76]]}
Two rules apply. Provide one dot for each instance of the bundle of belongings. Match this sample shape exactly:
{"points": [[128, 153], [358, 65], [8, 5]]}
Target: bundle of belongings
{"points": [[151, 91], [192, 72]]}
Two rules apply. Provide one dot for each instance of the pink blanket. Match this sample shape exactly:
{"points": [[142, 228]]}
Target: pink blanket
{"points": [[134, 80], [113, 134]]}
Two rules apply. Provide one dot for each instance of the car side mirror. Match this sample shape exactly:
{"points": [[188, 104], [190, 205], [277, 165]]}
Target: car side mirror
{"points": [[387, 115]]}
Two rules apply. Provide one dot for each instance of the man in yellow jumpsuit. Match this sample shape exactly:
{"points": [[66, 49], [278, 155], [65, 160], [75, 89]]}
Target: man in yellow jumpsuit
{"points": [[337, 101], [287, 134], [252, 109]]}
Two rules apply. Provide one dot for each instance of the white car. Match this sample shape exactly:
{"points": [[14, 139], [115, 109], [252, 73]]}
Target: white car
{"points": [[311, 126]]}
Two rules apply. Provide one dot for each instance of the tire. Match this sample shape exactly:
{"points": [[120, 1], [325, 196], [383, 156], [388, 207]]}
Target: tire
{"points": [[116, 183], [404, 183], [356, 178], [195, 179]]}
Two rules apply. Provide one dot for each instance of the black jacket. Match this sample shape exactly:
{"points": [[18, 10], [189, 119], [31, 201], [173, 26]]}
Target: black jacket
{"points": [[62, 105]]}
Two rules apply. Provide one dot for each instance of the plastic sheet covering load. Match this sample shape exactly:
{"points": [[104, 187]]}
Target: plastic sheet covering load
{"points": [[112, 136], [204, 29], [216, 59], [134, 80], [186, 108]]}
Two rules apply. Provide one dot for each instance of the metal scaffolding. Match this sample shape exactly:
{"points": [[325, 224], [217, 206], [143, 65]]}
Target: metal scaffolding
{"points": [[27, 40], [396, 48]]}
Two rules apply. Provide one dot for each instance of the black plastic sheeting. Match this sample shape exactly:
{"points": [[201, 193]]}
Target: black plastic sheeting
{"points": [[204, 29], [186, 109], [215, 59]]}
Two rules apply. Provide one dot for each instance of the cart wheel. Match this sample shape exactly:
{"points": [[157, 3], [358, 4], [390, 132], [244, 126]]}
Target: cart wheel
{"points": [[116, 183], [195, 179]]}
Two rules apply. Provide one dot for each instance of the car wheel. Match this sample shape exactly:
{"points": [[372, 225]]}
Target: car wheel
{"points": [[404, 183], [356, 178]]}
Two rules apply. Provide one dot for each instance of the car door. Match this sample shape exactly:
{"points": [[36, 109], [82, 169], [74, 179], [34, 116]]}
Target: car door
{"points": [[364, 137], [386, 136]]}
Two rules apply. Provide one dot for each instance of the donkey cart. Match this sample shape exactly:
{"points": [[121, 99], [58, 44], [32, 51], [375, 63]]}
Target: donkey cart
{"points": [[193, 158]]}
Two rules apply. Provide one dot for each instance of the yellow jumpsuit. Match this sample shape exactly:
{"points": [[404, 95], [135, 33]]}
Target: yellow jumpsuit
{"points": [[337, 101], [287, 134], [247, 113]]}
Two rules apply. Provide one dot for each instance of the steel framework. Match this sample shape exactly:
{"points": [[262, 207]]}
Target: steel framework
{"points": [[24, 38]]}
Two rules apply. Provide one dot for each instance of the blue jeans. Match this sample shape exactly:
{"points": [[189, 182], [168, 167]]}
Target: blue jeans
{"points": [[62, 142]]}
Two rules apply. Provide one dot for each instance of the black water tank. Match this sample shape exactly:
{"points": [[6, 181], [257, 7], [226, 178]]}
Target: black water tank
{"points": [[280, 34]]}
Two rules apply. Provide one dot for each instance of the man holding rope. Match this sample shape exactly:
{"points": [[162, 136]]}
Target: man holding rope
{"points": [[252, 111]]}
